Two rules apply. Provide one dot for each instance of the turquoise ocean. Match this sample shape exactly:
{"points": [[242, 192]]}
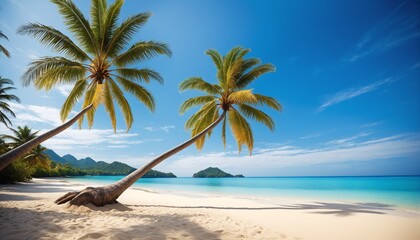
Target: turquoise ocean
{"points": [[401, 191]]}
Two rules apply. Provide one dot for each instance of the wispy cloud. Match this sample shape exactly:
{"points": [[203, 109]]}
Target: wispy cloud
{"points": [[397, 28], [315, 135], [26, 114], [371, 125], [268, 161], [92, 138], [166, 128], [353, 92], [348, 140], [416, 65]]}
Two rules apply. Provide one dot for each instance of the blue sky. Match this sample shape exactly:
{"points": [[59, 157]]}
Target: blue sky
{"points": [[348, 77]]}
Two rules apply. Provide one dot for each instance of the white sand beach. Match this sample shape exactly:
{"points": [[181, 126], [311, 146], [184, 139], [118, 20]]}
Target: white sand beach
{"points": [[27, 211]]}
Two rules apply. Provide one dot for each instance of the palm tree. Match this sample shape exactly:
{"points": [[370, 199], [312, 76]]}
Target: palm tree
{"points": [[3, 49], [227, 97], [98, 69], [4, 96], [22, 135]]}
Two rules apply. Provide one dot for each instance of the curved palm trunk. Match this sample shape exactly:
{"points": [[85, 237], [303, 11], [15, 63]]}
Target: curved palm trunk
{"points": [[108, 194], [23, 149]]}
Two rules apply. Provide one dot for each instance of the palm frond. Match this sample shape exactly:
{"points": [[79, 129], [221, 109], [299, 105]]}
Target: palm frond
{"points": [[9, 97], [253, 74], [5, 81], [197, 83], [97, 99], [141, 51], [141, 75], [4, 51], [190, 123], [195, 101], [97, 14], [58, 66], [5, 120], [109, 106], [90, 92], [123, 34], [242, 96], [77, 24], [122, 102], [205, 119], [257, 115], [72, 98], [269, 101], [110, 23], [139, 92], [232, 65], [54, 39], [224, 133], [62, 75], [4, 107], [241, 130], [217, 58], [3, 36], [248, 64]]}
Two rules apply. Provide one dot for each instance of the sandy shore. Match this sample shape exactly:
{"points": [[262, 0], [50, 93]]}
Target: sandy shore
{"points": [[27, 211]]}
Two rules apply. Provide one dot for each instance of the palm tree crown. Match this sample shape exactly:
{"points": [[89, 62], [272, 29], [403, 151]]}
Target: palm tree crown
{"points": [[4, 98], [229, 94], [38, 157], [101, 65], [20, 136], [3, 49]]}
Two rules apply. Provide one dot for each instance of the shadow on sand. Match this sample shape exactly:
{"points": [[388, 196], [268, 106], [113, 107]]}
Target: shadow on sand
{"points": [[339, 209], [15, 222]]}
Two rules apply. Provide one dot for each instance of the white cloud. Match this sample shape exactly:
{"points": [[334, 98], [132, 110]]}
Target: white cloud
{"points": [[276, 158], [64, 89], [26, 114], [166, 128], [352, 92], [348, 140], [91, 138]]}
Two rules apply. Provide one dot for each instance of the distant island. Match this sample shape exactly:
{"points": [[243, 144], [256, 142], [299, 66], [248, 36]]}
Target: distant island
{"points": [[88, 166], [214, 172]]}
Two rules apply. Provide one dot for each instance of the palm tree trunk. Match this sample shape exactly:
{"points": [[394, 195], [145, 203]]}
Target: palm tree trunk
{"points": [[108, 194], [23, 149]]}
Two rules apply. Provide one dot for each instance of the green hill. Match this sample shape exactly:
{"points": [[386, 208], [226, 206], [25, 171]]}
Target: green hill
{"points": [[88, 166], [212, 172]]}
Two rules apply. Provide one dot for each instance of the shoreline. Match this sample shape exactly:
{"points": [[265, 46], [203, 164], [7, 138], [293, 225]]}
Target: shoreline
{"points": [[145, 214], [288, 195]]}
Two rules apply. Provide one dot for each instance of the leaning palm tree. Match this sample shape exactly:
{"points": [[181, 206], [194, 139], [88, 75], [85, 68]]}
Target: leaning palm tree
{"points": [[3, 49], [4, 98], [227, 97], [99, 69]]}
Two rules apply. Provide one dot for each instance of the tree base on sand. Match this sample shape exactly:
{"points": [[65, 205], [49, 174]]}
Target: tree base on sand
{"points": [[98, 196]]}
